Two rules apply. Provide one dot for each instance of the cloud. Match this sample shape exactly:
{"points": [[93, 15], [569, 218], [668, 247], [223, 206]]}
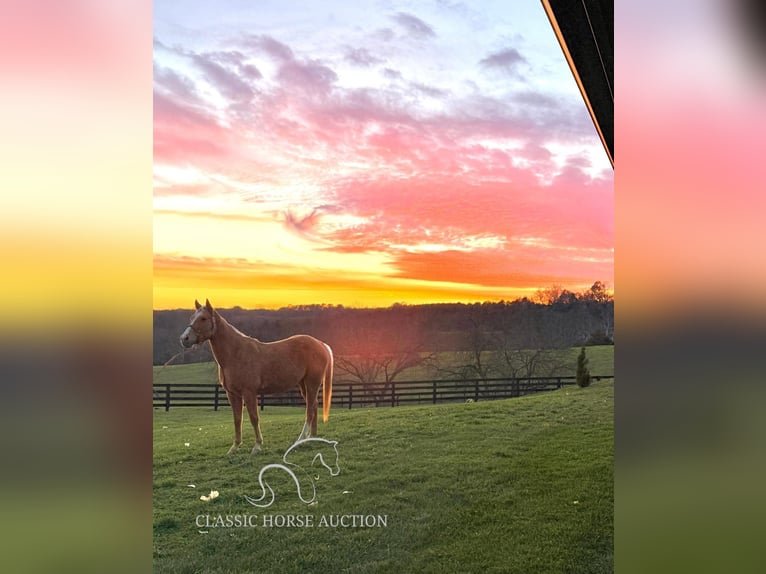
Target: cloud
{"points": [[429, 90], [407, 126], [383, 35], [302, 225], [217, 215], [572, 211], [486, 186], [489, 268], [310, 76], [273, 48], [175, 84], [392, 74], [507, 60], [227, 72], [237, 60], [228, 83], [253, 276], [414, 26], [362, 57], [184, 132]]}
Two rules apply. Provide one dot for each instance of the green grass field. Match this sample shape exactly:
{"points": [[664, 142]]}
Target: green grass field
{"points": [[519, 485], [600, 362]]}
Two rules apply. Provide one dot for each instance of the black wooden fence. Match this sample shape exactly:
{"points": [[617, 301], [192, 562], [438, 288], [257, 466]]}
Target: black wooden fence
{"points": [[350, 394]]}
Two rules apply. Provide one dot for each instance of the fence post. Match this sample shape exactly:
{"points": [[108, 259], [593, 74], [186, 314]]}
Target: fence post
{"points": [[167, 397], [476, 395], [261, 400], [350, 395], [559, 382], [215, 400], [434, 392], [393, 394]]}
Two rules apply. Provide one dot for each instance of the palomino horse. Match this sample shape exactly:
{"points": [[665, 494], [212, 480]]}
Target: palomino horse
{"points": [[247, 367]]}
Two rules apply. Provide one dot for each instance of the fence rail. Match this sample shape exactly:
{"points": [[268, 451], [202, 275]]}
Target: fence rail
{"points": [[352, 394]]}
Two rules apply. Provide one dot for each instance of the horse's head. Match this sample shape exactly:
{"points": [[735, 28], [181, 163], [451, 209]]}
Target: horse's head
{"points": [[331, 462], [327, 457], [201, 325], [324, 451]]}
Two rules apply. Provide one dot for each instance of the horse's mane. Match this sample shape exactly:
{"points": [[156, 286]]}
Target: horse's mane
{"points": [[220, 318]]}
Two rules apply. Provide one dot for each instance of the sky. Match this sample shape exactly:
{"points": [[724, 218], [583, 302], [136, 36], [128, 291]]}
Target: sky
{"points": [[367, 153]]}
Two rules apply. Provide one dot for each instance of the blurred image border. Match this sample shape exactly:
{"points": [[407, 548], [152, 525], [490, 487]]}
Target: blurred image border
{"points": [[77, 251]]}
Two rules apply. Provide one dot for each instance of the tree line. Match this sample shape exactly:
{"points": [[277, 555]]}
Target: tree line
{"points": [[520, 338]]}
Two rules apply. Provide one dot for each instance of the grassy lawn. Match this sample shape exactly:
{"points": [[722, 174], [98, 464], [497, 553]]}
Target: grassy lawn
{"points": [[600, 362], [519, 485], [193, 373]]}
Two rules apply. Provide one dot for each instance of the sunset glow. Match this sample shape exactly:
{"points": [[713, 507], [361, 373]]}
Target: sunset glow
{"points": [[362, 154]]}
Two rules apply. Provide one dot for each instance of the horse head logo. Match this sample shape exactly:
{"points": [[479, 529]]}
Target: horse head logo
{"points": [[316, 450]]}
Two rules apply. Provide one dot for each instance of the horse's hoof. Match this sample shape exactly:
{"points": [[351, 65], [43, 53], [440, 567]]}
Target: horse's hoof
{"points": [[256, 449], [232, 450]]}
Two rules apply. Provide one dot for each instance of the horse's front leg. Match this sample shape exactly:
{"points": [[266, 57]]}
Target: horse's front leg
{"points": [[312, 420], [252, 410], [236, 408]]}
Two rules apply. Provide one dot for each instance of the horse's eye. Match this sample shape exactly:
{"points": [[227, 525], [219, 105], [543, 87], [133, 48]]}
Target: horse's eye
{"points": [[203, 319]]}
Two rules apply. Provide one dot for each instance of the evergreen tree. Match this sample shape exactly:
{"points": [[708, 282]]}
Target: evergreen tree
{"points": [[583, 373]]}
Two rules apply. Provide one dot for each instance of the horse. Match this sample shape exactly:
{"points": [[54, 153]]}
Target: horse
{"points": [[247, 367], [292, 469]]}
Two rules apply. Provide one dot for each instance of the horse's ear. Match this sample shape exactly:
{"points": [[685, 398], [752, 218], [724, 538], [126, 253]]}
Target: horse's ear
{"points": [[196, 304], [208, 306]]}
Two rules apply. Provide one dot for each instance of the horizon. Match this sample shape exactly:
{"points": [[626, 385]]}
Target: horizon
{"points": [[302, 306], [368, 156]]}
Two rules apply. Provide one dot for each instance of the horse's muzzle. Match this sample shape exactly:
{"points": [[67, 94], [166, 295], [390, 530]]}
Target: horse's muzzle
{"points": [[186, 339]]}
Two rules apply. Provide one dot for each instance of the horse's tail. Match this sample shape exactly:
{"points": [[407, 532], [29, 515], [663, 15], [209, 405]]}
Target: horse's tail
{"points": [[327, 386]]}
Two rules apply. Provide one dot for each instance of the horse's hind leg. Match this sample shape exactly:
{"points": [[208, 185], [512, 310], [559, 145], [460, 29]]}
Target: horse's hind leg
{"points": [[310, 426], [314, 417], [305, 431], [252, 410]]}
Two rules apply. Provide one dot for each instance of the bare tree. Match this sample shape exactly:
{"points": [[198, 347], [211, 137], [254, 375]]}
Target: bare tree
{"points": [[474, 360], [375, 349], [519, 357], [600, 305]]}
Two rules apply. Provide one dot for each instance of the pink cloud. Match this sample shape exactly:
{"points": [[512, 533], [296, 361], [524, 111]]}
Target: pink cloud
{"points": [[494, 268], [183, 133], [572, 211], [336, 122]]}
